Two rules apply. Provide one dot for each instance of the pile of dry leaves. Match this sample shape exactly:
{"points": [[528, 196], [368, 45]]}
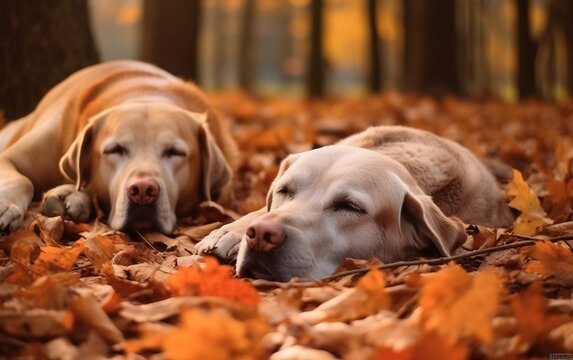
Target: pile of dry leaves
{"points": [[69, 291]]}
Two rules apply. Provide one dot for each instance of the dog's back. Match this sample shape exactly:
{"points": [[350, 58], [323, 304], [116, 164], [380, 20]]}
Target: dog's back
{"points": [[458, 182]]}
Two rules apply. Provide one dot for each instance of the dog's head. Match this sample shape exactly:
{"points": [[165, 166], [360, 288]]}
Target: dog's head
{"points": [[337, 202], [146, 163]]}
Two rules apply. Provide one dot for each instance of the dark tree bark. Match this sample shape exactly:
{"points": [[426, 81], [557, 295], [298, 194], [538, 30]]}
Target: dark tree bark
{"points": [[41, 43], [527, 50], [247, 50], [430, 48], [316, 63], [567, 18], [171, 32], [375, 68]]}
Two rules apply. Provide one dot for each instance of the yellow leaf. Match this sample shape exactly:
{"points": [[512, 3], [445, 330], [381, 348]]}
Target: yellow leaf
{"points": [[551, 259], [456, 304], [524, 199]]}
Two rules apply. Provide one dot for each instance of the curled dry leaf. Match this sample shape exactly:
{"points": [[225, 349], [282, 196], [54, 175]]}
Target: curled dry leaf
{"points": [[456, 304], [86, 308], [367, 298]]}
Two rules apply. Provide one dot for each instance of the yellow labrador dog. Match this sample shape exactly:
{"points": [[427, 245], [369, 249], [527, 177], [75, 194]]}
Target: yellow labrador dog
{"points": [[141, 142], [390, 192]]}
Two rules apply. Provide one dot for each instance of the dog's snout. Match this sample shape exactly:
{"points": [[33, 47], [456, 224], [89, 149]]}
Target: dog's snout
{"points": [[143, 191], [265, 234]]}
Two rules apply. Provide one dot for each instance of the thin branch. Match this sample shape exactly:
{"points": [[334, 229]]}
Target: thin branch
{"points": [[525, 241]]}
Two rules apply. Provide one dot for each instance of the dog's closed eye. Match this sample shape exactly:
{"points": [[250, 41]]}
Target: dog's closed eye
{"points": [[173, 152], [115, 149], [345, 204], [286, 191]]}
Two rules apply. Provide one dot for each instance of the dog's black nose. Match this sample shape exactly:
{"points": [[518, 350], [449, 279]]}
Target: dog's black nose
{"points": [[143, 191], [265, 234]]}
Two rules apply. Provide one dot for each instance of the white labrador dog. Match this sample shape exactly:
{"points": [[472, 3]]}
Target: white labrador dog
{"points": [[390, 192], [144, 144]]}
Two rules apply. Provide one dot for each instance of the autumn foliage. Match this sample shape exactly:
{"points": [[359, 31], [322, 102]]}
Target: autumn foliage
{"points": [[73, 291]]}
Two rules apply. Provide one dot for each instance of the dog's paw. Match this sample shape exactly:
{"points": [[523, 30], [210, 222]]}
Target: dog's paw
{"points": [[11, 216], [67, 202], [222, 243]]}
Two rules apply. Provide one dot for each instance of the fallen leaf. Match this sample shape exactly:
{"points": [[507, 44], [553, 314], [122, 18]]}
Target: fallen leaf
{"points": [[456, 304], [298, 352], [54, 259], [430, 347], [530, 310], [99, 250], [367, 298], [212, 279], [214, 334], [524, 199], [553, 260], [86, 308], [36, 323]]}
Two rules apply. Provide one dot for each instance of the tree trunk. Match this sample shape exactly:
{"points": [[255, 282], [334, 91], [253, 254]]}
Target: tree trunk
{"points": [[316, 63], [526, 49], [430, 48], [375, 69], [567, 14], [41, 43], [247, 50], [171, 32]]}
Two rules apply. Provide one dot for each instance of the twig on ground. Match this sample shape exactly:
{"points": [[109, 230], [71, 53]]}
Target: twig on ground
{"points": [[525, 241]]}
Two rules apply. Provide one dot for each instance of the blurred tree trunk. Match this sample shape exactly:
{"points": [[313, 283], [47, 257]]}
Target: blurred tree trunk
{"points": [[527, 50], [430, 48], [171, 32], [375, 69], [567, 14], [247, 50], [41, 43], [316, 63]]}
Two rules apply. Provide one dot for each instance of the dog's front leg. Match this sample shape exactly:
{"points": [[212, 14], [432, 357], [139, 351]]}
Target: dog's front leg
{"points": [[224, 242], [67, 202], [16, 193]]}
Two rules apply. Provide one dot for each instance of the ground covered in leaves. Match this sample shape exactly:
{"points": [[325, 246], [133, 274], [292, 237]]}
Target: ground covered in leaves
{"points": [[70, 291]]}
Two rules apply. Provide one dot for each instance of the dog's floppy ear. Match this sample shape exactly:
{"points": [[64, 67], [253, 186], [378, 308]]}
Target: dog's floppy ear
{"points": [[423, 223], [216, 170], [282, 168], [75, 164]]}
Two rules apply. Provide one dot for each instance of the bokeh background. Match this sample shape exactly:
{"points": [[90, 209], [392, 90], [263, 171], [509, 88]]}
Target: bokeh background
{"points": [[502, 49]]}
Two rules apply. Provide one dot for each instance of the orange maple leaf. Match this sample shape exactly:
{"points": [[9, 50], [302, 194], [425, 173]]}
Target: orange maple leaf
{"points": [[456, 304], [530, 310], [55, 259], [216, 335], [532, 214], [551, 259], [205, 335], [212, 279]]}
